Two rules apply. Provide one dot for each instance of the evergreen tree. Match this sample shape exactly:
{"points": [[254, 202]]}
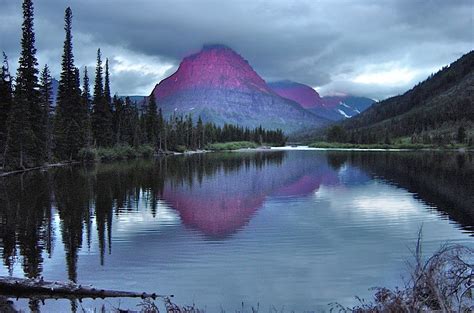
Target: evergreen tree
{"points": [[461, 135], [161, 130], [117, 116], [107, 94], [86, 103], [151, 121], [6, 98], [200, 133], [98, 85], [25, 145], [46, 92], [86, 95], [71, 114], [101, 115]]}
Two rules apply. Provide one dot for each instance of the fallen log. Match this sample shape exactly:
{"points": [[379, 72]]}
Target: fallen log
{"points": [[41, 289]]}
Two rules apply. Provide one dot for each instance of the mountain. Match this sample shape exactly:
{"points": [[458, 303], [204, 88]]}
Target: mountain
{"points": [[346, 106], [221, 87], [430, 112], [334, 108], [301, 93], [136, 99]]}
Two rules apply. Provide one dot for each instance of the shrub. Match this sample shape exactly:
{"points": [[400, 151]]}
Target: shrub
{"points": [[87, 155], [441, 283]]}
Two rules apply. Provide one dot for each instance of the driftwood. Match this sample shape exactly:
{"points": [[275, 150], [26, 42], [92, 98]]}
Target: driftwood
{"points": [[45, 167], [41, 289]]}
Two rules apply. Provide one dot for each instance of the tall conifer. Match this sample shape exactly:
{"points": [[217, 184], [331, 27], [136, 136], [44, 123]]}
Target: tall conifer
{"points": [[25, 145], [46, 92], [151, 121], [6, 98], [101, 115], [70, 115], [107, 94], [86, 103]]}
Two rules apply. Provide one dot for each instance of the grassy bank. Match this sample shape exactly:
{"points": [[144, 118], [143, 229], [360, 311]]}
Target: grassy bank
{"points": [[411, 146], [232, 145]]}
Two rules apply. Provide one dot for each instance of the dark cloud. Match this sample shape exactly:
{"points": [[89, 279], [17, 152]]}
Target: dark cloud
{"points": [[326, 44]]}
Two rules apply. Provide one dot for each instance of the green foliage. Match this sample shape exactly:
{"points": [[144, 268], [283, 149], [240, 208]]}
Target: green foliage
{"points": [[46, 91], [107, 94], [101, 110], [103, 128], [441, 101], [461, 135], [71, 118], [6, 99], [336, 134], [118, 152], [233, 145], [25, 146], [151, 121]]}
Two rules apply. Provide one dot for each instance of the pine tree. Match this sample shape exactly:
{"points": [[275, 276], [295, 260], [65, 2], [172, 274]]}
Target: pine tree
{"points": [[86, 95], [86, 104], [46, 92], [117, 117], [107, 95], [161, 129], [151, 121], [6, 98], [71, 115], [101, 115], [98, 85], [200, 133], [25, 145]]}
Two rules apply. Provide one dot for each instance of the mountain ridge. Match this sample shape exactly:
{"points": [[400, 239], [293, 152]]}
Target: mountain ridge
{"points": [[219, 85], [432, 109], [333, 108]]}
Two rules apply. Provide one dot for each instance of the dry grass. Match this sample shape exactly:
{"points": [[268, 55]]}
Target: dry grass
{"points": [[442, 283]]}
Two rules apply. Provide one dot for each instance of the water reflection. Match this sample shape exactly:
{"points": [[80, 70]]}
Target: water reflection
{"points": [[216, 196]]}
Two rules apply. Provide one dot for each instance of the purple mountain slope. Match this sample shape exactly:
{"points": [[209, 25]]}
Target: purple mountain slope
{"points": [[333, 107], [221, 87]]}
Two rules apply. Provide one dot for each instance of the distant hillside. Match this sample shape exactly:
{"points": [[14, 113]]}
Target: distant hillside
{"points": [[301, 93], [347, 106], [220, 86], [431, 112], [334, 108], [138, 99]]}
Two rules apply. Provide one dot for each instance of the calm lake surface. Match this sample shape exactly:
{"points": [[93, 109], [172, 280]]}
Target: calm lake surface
{"points": [[293, 229]]}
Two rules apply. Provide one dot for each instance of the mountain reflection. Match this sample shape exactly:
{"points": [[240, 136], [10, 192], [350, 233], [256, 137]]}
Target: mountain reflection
{"points": [[215, 194]]}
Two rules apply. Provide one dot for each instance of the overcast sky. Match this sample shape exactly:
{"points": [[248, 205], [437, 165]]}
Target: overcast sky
{"points": [[369, 48]]}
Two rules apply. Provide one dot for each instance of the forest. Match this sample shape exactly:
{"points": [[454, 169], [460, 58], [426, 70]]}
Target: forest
{"points": [[439, 110], [35, 132]]}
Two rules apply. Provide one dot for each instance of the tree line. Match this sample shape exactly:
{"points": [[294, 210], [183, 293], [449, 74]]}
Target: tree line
{"points": [[34, 132], [439, 110]]}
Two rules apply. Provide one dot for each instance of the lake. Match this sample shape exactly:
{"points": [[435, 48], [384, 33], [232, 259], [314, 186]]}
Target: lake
{"points": [[285, 229]]}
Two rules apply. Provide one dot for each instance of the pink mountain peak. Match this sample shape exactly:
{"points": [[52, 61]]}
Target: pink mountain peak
{"points": [[214, 67], [306, 96]]}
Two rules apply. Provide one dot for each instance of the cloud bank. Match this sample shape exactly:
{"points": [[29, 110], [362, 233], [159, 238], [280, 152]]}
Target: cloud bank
{"points": [[367, 48]]}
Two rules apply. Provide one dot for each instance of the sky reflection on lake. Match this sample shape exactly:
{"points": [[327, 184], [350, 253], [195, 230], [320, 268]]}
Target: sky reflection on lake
{"points": [[298, 229]]}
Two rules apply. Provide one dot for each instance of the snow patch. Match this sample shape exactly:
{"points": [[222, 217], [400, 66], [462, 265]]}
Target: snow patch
{"points": [[343, 113]]}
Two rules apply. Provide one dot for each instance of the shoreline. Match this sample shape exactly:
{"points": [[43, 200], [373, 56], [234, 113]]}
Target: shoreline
{"points": [[309, 148], [262, 148], [38, 168]]}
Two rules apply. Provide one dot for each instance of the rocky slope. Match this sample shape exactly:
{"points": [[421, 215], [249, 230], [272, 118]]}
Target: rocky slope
{"points": [[220, 86], [333, 108]]}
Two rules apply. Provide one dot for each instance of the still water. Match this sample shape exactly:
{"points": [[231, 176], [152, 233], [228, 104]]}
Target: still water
{"points": [[285, 229]]}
